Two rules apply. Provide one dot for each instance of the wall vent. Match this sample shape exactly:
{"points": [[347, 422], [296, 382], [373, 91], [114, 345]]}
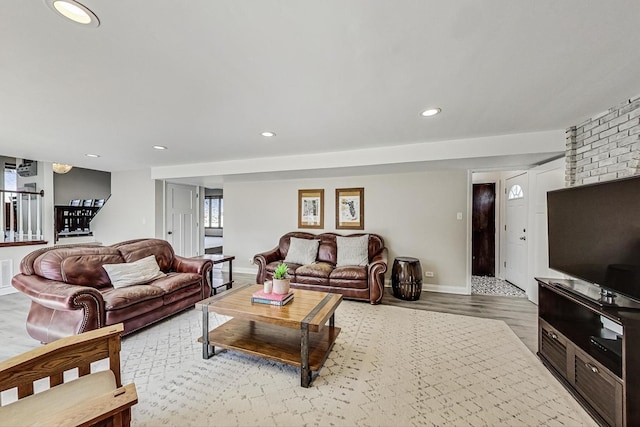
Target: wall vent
{"points": [[6, 273]]}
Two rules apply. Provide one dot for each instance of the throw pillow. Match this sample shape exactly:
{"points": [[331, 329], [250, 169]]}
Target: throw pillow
{"points": [[352, 250], [133, 273], [302, 251]]}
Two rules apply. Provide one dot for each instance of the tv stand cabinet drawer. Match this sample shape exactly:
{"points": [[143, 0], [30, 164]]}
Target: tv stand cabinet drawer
{"points": [[553, 347], [596, 385]]}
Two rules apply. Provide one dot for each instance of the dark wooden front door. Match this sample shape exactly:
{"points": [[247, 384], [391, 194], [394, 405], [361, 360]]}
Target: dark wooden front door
{"points": [[484, 230]]}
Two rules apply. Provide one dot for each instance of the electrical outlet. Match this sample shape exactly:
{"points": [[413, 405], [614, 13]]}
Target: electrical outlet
{"points": [[428, 273]]}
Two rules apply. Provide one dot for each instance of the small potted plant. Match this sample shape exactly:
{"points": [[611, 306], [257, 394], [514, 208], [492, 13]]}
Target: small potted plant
{"points": [[280, 279]]}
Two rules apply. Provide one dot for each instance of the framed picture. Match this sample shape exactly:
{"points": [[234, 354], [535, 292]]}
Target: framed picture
{"points": [[310, 208], [350, 208]]}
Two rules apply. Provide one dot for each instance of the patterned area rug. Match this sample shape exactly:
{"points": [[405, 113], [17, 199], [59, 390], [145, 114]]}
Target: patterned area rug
{"points": [[485, 285], [389, 366]]}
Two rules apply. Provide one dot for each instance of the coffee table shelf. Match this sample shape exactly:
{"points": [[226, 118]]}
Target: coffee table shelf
{"points": [[300, 333], [273, 342]]}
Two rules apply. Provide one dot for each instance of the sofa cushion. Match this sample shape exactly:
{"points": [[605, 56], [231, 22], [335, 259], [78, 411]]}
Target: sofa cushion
{"points": [[352, 250], [144, 270], [317, 269], [80, 266], [349, 277], [183, 293], [327, 249], [349, 273], [302, 251], [38, 407], [172, 282], [310, 280], [291, 268], [119, 298], [134, 250], [136, 309]]}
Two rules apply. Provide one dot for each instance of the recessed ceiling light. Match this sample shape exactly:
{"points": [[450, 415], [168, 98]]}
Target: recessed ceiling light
{"points": [[95, 156], [74, 11], [268, 134], [431, 112], [159, 147]]}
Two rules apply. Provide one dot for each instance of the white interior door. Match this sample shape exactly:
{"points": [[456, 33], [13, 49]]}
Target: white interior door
{"points": [[182, 219], [516, 231]]}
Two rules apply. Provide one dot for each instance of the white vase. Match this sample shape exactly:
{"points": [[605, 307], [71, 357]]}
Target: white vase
{"points": [[281, 286], [267, 287]]}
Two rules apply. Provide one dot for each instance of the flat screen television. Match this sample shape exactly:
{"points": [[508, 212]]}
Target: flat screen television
{"points": [[594, 236]]}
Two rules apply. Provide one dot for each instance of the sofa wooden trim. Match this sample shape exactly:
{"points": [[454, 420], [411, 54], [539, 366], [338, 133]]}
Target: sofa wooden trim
{"points": [[74, 352]]}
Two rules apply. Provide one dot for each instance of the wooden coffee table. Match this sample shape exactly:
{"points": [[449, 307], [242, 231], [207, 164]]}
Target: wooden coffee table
{"points": [[296, 334]]}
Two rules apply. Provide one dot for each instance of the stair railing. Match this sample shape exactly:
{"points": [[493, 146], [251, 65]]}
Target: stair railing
{"points": [[21, 216]]}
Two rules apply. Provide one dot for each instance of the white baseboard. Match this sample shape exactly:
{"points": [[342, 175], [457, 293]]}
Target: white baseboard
{"points": [[445, 289], [242, 270], [436, 288], [8, 290]]}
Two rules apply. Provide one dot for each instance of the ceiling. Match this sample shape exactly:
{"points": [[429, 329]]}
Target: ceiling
{"points": [[205, 78]]}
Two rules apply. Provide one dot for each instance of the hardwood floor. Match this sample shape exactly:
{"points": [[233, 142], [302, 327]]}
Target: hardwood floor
{"points": [[519, 313]]}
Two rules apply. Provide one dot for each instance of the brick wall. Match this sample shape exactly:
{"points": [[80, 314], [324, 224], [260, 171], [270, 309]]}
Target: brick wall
{"points": [[606, 146]]}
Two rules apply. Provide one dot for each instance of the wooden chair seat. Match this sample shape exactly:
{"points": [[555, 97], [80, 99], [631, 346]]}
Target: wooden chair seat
{"points": [[96, 398]]}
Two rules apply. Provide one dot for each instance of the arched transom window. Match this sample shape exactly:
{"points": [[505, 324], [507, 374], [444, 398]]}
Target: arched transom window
{"points": [[515, 192]]}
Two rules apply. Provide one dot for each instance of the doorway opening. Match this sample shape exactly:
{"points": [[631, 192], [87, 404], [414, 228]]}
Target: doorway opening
{"points": [[213, 221], [488, 219], [483, 240]]}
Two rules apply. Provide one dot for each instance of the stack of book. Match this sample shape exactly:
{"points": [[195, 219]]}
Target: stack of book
{"points": [[272, 299]]}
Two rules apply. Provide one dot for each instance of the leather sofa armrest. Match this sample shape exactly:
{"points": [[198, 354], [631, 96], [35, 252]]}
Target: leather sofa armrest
{"points": [[201, 266], [83, 305], [264, 258], [59, 295], [377, 268], [191, 265]]}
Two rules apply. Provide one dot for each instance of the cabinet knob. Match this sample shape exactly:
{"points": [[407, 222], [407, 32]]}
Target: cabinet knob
{"points": [[552, 335], [590, 366]]}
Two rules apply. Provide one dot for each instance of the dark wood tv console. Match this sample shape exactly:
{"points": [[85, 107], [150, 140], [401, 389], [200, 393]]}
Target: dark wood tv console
{"points": [[583, 354]]}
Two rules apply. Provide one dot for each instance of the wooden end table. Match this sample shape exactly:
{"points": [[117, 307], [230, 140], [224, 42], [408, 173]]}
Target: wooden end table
{"points": [[296, 334], [215, 278]]}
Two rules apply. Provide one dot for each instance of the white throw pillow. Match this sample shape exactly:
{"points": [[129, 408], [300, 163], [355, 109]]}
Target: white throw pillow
{"points": [[133, 273], [302, 251], [352, 251]]}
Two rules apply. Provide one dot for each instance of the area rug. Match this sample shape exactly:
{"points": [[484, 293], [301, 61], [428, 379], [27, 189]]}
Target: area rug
{"points": [[389, 367]]}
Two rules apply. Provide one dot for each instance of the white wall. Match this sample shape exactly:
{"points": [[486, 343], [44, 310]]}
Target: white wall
{"points": [[130, 213], [80, 183], [415, 213]]}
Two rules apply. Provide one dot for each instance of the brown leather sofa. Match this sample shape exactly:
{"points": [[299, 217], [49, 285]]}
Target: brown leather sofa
{"points": [[353, 282], [71, 292]]}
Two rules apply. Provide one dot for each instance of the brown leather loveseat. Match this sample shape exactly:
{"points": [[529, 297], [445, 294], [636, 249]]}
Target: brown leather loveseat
{"points": [[324, 270], [71, 292]]}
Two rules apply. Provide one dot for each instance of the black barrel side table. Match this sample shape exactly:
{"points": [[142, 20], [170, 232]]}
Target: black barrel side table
{"points": [[406, 278]]}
